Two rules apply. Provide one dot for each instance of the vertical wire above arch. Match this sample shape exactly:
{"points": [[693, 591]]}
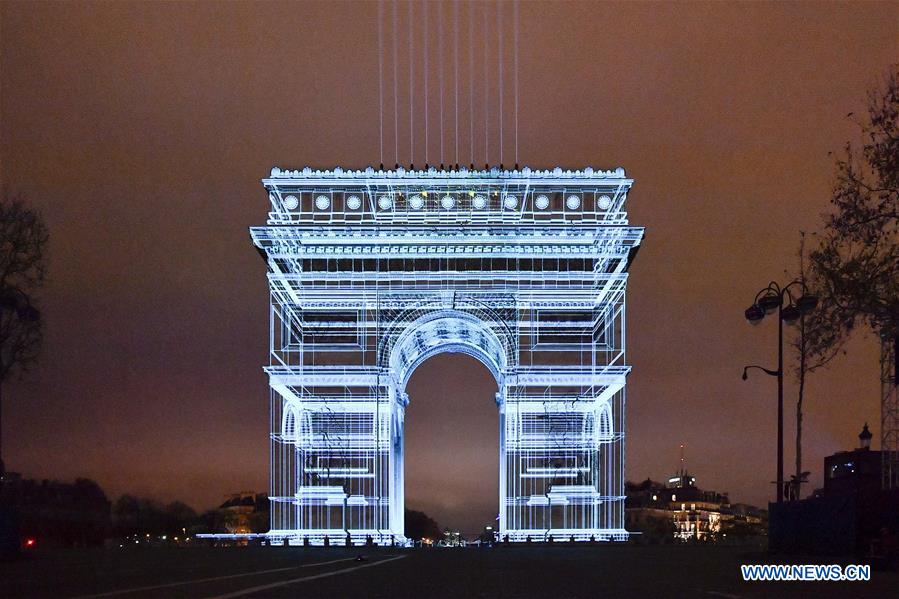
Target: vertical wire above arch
{"points": [[440, 66], [515, 34], [426, 72], [499, 35], [396, 120], [381, 80], [411, 95], [471, 79], [493, 82], [486, 88], [456, 73]]}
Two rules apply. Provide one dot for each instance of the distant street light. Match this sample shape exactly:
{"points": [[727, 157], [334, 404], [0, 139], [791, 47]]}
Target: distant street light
{"points": [[789, 309], [864, 438]]}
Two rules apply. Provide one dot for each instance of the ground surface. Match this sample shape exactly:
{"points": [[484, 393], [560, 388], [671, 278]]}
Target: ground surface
{"points": [[558, 572]]}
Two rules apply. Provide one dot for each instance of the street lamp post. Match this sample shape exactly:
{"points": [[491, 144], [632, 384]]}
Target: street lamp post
{"points": [[789, 309]]}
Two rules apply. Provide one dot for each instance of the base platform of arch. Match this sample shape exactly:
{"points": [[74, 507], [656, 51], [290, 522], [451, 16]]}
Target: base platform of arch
{"points": [[382, 539]]}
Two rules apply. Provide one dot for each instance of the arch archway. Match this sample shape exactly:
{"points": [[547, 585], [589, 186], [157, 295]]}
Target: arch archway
{"points": [[430, 334], [523, 270]]}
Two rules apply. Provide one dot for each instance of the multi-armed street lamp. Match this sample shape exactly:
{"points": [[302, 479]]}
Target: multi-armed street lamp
{"points": [[789, 309]]}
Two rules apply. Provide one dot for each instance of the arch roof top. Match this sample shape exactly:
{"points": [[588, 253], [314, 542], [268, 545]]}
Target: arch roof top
{"points": [[370, 176], [463, 196], [400, 172]]}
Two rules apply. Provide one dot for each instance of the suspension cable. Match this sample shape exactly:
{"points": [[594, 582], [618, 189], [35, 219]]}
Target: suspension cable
{"points": [[515, 26], [440, 65], [456, 72], [381, 79], [486, 90], [411, 96], [471, 79], [427, 107], [499, 29], [396, 122]]}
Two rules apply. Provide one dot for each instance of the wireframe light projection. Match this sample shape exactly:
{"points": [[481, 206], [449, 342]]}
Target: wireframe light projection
{"points": [[373, 272]]}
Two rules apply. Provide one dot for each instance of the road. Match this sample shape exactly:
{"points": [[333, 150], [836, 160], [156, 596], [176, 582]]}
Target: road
{"points": [[557, 572]]}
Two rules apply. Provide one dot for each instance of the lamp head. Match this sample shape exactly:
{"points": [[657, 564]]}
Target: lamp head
{"points": [[754, 314], [769, 302], [790, 314], [807, 302]]}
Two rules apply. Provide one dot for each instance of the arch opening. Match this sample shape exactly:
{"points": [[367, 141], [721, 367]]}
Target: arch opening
{"points": [[451, 443]]}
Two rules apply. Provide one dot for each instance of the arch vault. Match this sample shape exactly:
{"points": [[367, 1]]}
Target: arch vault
{"points": [[373, 272]]}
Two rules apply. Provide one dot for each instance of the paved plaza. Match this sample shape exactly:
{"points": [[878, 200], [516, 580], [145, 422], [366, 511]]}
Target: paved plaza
{"points": [[558, 572]]}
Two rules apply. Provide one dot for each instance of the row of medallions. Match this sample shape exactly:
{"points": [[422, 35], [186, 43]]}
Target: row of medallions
{"points": [[418, 201]]}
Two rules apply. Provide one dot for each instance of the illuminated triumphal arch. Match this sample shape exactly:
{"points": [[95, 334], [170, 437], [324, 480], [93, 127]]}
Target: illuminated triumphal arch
{"points": [[372, 272]]}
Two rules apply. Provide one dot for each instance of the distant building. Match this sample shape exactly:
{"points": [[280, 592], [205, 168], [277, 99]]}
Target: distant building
{"points": [[698, 514], [848, 515], [682, 511], [245, 512], [648, 512], [853, 471]]}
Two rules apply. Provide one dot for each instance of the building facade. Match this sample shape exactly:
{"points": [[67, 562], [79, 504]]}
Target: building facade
{"points": [[680, 511], [852, 513], [372, 272]]}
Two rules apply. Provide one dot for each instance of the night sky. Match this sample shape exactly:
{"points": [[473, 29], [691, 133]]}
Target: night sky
{"points": [[141, 132]]}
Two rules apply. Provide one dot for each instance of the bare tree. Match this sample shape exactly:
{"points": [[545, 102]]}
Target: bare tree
{"points": [[23, 241], [820, 336], [857, 262]]}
